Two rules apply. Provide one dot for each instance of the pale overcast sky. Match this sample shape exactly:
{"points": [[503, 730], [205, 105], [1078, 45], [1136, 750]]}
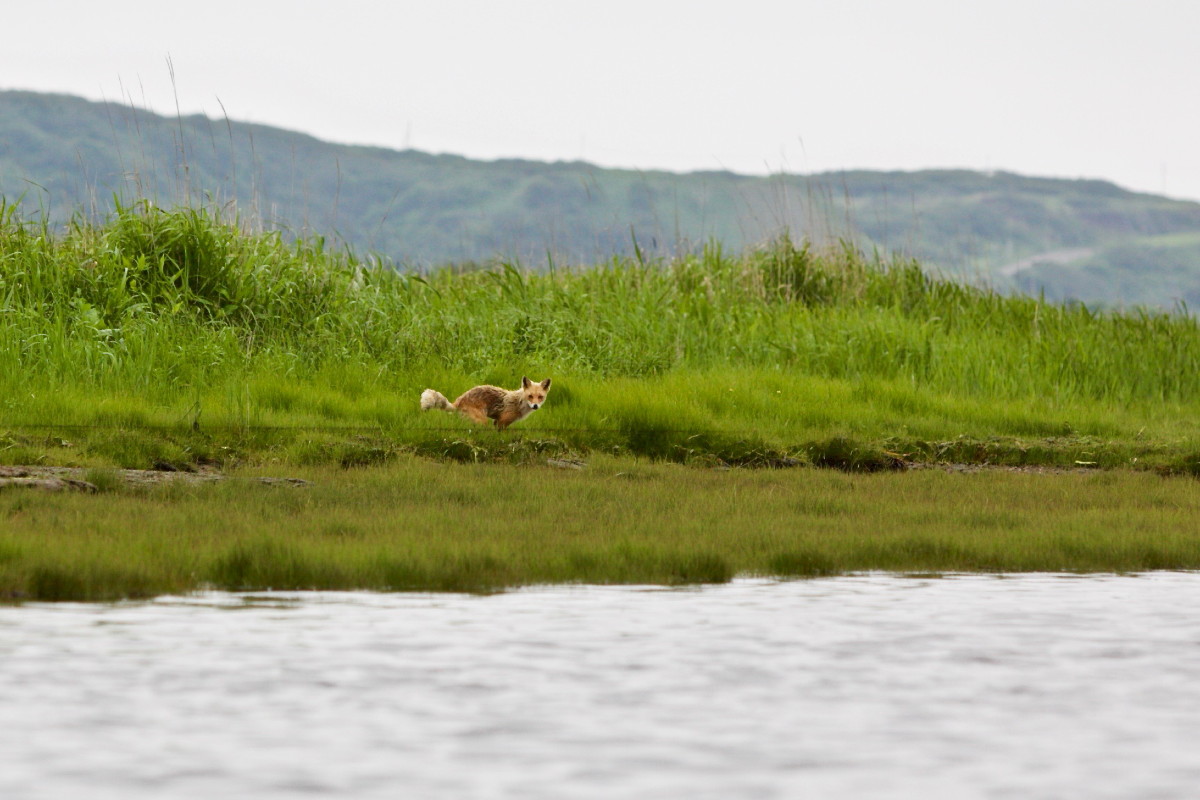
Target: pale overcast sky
{"points": [[1073, 88]]}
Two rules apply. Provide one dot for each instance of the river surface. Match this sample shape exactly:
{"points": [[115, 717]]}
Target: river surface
{"points": [[857, 687]]}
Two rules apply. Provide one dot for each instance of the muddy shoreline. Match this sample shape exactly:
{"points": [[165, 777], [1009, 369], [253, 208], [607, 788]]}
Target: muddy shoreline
{"points": [[59, 479]]}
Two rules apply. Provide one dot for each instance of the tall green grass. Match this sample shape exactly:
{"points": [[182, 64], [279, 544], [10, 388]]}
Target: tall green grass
{"points": [[181, 318]]}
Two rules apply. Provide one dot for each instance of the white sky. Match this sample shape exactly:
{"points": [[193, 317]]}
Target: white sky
{"points": [[1073, 88]]}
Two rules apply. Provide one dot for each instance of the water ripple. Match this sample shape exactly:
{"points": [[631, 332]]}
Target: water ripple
{"points": [[873, 685]]}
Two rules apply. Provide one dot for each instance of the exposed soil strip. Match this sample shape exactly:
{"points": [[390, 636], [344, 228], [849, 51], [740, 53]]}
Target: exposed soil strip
{"points": [[60, 479]]}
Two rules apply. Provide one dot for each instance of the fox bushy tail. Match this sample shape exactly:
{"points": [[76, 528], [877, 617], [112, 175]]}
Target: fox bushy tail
{"points": [[431, 399]]}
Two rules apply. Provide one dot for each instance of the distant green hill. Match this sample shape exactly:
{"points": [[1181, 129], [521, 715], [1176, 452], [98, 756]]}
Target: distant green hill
{"points": [[1155, 270], [61, 154]]}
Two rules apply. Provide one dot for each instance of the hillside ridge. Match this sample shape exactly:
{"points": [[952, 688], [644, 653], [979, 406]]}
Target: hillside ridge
{"points": [[60, 154]]}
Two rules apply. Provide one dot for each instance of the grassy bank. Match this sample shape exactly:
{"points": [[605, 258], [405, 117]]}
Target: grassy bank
{"points": [[174, 340], [175, 337], [423, 525]]}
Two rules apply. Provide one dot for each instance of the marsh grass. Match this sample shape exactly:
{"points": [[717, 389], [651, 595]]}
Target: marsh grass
{"points": [[180, 337], [414, 524], [105, 480]]}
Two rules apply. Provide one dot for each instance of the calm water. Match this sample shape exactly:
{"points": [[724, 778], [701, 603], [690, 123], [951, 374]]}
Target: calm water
{"points": [[870, 686]]}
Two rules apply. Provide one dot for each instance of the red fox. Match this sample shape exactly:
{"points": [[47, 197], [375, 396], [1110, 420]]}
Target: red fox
{"points": [[491, 402]]}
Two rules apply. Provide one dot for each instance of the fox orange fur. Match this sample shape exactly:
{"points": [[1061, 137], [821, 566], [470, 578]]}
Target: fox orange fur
{"points": [[485, 403]]}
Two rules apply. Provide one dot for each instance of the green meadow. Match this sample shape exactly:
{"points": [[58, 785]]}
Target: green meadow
{"points": [[417, 524], [182, 340]]}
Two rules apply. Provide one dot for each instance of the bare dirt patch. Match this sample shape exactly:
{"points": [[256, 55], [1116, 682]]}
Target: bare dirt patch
{"points": [[75, 479]]}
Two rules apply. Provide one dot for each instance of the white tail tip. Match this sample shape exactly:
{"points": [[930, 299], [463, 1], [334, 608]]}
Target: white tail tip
{"points": [[431, 399]]}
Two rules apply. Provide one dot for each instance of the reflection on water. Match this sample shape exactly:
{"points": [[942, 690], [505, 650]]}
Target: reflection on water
{"points": [[868, 686]]}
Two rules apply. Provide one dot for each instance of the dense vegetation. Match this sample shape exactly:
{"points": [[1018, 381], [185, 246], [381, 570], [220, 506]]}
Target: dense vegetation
{"points": [[420, 525], [63, 153], [178, 320], [177, 340]]}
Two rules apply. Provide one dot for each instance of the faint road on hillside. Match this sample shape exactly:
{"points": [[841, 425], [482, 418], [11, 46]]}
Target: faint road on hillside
{"points": [[1049, 257]]}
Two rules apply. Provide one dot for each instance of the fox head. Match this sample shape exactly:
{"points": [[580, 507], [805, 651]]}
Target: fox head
{"points": [[535, 393]]}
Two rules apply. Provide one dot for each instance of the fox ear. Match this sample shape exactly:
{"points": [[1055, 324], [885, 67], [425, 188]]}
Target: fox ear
{"points": [[546, 383], [525, 383]]}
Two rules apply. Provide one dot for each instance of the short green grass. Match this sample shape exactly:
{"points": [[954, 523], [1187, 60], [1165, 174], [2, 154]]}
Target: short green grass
{"points": [[416, 524]]}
